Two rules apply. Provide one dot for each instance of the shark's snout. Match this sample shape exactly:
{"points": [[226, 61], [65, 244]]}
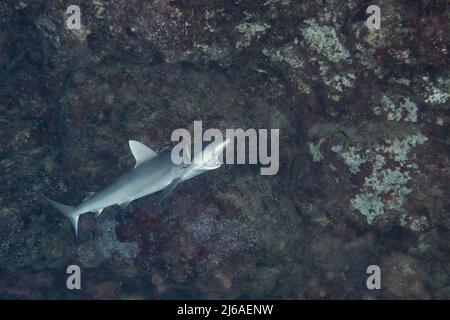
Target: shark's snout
{"points": [[212, 156]]}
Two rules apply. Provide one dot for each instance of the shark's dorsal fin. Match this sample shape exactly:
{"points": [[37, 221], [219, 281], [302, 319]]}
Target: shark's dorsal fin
{"points": [[141, 152]]}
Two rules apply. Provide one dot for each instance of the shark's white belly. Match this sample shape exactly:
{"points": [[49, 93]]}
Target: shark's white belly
{"points": [[131, 186]]}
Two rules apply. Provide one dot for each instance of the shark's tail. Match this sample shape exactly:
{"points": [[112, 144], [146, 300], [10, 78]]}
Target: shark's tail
{"points": [[67, 211]]}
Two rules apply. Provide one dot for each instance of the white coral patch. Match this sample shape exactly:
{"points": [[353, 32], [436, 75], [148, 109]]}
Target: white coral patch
{"points": [[352, 157], [323, 40], [386, 187], [401, 110], [287, 55], [249, 31], [436, 93]]}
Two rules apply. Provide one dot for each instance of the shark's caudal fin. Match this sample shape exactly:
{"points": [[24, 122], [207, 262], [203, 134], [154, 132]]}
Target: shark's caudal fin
{"points": [[67, 211]]}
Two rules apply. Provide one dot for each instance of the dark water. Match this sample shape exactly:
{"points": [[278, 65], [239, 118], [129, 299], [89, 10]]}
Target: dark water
{"points": [[363, 149]]}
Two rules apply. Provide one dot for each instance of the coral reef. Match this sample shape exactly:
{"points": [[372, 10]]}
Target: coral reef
{"points": [[364, 149]]}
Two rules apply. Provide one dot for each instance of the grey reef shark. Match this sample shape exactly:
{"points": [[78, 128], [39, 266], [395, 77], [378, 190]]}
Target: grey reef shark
{"points": [[153, 172]]}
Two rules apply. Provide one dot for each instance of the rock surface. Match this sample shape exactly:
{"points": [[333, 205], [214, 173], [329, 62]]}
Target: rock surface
{"points": [[364, 148]]}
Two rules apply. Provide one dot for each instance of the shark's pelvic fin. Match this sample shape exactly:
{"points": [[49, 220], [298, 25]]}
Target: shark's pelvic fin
{"points": [[67, 211], [98, 212], [141, 152], [168, 190]]}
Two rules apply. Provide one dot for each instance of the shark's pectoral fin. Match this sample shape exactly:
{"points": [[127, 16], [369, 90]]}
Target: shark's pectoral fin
{"points": [[141, 152], [123, 205], [168, 190], [97, 212]]}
